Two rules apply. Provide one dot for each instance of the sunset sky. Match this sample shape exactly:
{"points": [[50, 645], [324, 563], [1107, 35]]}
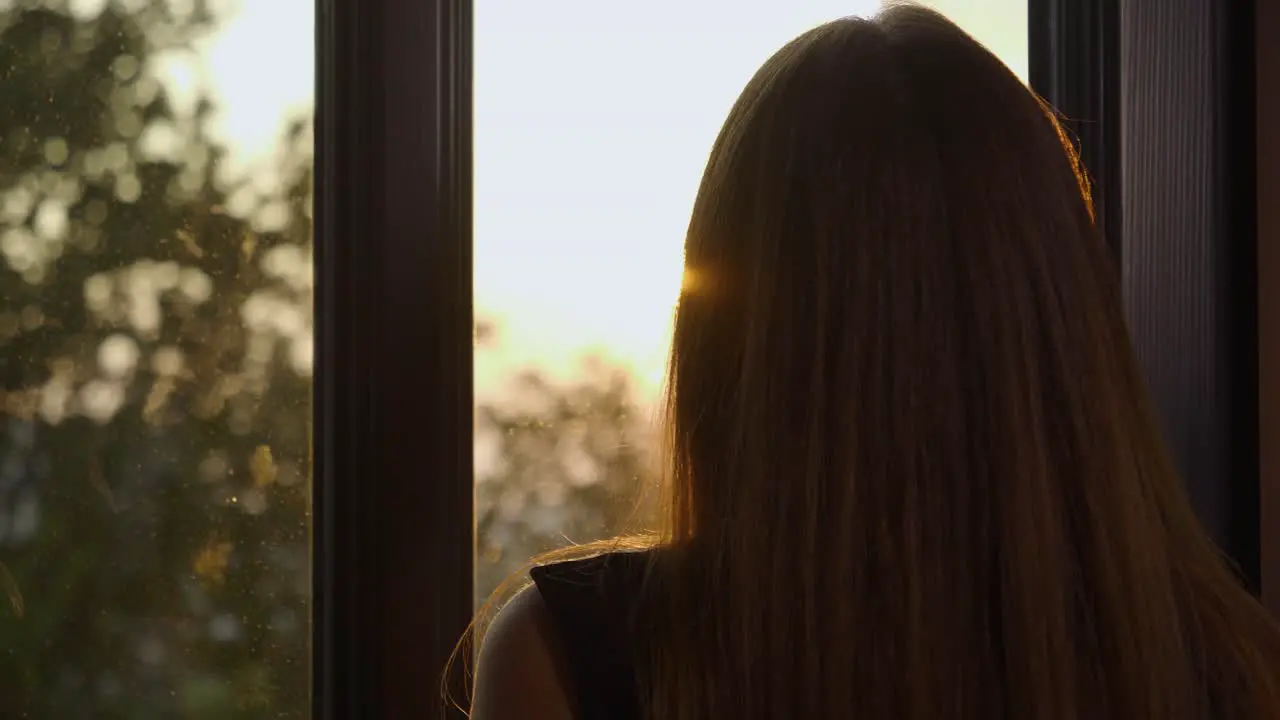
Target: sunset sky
{"points": [[593, 121]]}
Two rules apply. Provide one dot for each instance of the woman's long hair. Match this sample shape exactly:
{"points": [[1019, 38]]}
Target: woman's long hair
{"points": [[914, 472]]}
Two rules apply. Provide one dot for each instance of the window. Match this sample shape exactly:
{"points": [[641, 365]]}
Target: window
{"points": [[156, 322], [156, 356], [592, 125]]}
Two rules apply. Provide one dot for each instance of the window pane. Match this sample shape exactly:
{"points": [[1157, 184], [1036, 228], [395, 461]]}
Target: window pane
{"points": [[155, 355], [593, 123], [1001, 25]]}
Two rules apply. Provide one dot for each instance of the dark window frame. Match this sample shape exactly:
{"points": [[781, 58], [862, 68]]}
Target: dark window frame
{"points": [[393, 388], [1074, 63]]}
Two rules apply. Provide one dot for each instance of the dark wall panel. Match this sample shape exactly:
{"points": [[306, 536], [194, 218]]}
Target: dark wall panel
{"points": [[1187, 250], [1267, 42]]}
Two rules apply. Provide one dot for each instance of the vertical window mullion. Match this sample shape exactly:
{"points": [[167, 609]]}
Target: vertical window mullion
{"points": [[393, 441]]}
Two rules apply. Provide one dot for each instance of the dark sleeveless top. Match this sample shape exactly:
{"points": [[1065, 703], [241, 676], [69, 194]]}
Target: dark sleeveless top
{"points": [[590, 602]]}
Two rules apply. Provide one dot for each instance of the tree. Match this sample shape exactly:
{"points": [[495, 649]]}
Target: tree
{"points": [[559, 465], [155, 329]]}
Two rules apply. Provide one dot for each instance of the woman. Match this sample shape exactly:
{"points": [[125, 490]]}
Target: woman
{"points": [[914, 472]]}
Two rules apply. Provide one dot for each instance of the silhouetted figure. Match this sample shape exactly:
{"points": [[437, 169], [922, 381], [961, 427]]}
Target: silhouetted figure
{"points": [[913, 470]]}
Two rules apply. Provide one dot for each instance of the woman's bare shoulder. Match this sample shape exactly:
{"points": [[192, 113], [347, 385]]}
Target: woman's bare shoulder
{"points": [[521, 672]]}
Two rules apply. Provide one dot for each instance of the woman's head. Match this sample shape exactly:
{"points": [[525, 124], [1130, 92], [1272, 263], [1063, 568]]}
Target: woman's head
{"points": [[891, 257], [912, 458]]}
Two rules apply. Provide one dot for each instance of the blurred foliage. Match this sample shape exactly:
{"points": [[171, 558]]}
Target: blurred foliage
{"points": [[155, 344], [155, 363], [558, 465]]}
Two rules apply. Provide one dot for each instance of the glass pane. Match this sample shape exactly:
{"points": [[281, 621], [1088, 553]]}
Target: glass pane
{"points": [[593, 122], [155, 358], [1001, 25]]}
